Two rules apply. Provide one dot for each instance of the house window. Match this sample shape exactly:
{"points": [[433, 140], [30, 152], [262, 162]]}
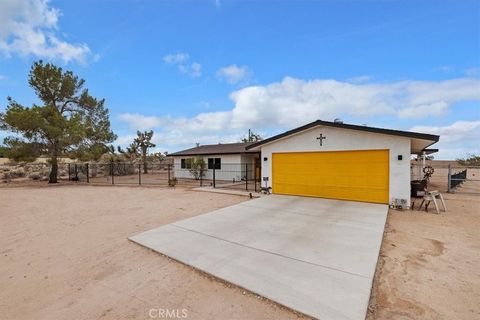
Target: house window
{"points": [[215, 163], [186, 163]]}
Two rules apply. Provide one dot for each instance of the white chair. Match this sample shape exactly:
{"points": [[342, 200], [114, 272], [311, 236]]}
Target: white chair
{"points": [[432, 196]]}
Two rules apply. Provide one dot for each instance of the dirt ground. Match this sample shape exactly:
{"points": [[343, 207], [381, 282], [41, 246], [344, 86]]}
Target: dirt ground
{"points": [[429, 265], [64, 254]]}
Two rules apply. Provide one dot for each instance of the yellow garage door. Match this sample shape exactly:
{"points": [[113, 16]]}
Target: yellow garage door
{"points": [[347, 175]]}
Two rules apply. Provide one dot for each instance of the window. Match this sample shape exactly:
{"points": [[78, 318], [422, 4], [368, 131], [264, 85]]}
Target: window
{"points": [[214, 163], [186, 163]]}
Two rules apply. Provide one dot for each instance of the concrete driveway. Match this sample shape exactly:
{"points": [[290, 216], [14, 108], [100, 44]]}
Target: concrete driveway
{"points": [[316, 256]]}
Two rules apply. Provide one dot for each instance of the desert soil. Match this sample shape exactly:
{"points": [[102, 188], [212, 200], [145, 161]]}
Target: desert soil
{"points": [[64, 254], [429, 264]]}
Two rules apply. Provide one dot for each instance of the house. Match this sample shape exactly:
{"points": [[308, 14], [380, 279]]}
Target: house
{"points": [[341, 161], [230, 161]]}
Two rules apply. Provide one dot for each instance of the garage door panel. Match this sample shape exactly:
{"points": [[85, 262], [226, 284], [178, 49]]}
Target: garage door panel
{"points": [[348, 175]]}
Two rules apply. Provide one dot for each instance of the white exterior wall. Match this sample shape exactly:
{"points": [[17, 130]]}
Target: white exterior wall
{"points": [[228, 171], [342, 140]]}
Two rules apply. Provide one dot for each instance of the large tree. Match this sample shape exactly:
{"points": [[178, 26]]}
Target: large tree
{"points": [[69, 122], [143, 142]]}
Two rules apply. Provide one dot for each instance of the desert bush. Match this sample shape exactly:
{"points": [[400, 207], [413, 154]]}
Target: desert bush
{"points": [[9, 174], [35, 176], [198, 168]]}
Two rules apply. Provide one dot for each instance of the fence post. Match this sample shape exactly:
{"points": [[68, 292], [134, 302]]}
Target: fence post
{"points": [[111, 172], [201, 177], [69, 178], [449, 178], [214, 175], [168, 167], [88, 173], [139, 174], [246, 176], [255, 175]]}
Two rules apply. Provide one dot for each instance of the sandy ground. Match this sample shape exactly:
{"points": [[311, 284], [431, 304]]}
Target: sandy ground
{"points": [[64, 254], [429, 265]]}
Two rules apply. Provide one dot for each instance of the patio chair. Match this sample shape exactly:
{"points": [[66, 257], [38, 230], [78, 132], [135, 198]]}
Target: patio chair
{"points": [[432, 196]]}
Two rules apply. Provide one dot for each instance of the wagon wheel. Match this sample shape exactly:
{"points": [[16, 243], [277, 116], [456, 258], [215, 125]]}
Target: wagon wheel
{"points": [[428, 172]]}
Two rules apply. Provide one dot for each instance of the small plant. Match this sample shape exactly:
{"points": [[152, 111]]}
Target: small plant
{"points": [[35, 176], [172, 182], [198, 168]]}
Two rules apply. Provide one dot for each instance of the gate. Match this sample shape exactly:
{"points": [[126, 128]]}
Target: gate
{"points": [[463, 179]]}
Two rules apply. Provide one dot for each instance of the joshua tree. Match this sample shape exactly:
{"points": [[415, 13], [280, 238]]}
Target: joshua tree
{"points": [[143, 142], [252, 137], [130, 152]]}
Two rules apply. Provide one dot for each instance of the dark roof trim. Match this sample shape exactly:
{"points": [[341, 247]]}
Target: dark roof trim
{"points": [[427, 151], [181, 154], [211, 149], [408, 134]]}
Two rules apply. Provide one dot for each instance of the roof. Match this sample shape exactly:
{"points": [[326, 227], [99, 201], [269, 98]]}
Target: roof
{"points": [[429, 138], [427, 151], [221, 148]]}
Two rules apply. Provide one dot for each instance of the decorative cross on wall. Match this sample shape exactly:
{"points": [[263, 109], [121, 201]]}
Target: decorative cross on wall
{"points": [[321, 138]]}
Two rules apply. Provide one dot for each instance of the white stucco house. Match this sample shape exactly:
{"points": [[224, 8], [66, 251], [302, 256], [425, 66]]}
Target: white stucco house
{"points": [[342, 161], [231, 161], [325, 159]]}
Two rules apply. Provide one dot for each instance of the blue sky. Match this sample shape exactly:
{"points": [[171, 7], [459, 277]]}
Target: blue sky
{"points": [[207, 71]]}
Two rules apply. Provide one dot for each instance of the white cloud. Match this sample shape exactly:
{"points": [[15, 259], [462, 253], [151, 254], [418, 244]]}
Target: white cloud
{"points": [[457, 131], [458, 139], [360, 79], [435, 109], [233, 73], [30, 27], [194, 70], [176, 58], [292, 102], [140, 122], [181, 60], [445, 69], [472, 72]]}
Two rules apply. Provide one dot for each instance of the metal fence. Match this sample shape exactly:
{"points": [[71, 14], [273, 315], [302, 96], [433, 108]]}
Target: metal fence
{"points": [[237, 176], [464, 179], [450, 178]]}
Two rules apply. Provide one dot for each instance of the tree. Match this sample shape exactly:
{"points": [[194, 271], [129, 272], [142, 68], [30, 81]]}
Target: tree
{"points": [[4, 152], [252, 137], [471, 160], [198, 168], [130, 152], [69, 122], [143, 142]]}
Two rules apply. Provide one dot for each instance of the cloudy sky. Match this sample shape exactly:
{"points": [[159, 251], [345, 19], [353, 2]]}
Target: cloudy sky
{"points": [[207, 71]]}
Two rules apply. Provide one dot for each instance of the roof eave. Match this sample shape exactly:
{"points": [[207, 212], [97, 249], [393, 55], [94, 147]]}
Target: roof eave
{"points": [[407, 134]]}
